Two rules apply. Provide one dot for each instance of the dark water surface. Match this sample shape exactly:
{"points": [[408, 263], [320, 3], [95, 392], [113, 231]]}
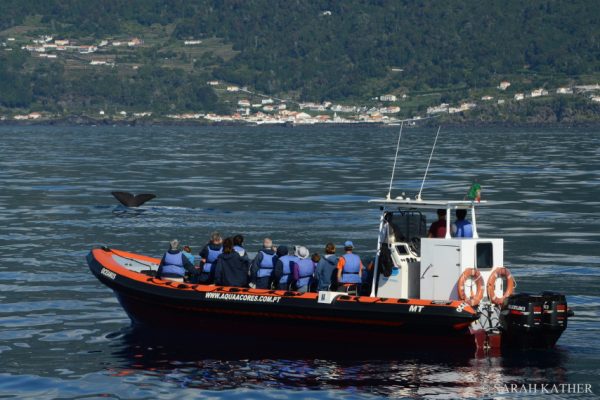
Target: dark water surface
{"points": [[63, 334]]}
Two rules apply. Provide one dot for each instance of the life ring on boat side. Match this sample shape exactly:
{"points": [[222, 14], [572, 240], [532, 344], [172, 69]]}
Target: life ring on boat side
{"points": [[475, 276], [509, 286]]}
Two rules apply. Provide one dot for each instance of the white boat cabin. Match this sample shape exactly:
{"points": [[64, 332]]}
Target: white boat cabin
{"points": [[411, 265]]}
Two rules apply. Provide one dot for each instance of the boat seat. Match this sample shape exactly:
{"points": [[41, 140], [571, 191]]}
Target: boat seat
{"points": [[173, 279], [148, 272], [348, 288]]}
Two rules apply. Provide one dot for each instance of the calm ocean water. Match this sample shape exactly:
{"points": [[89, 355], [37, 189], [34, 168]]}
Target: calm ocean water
{"points": [[63, 334]]}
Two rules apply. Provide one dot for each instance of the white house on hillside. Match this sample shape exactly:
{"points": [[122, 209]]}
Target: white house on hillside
{"points": [[564, 90], [388, 97], [504, 85], [539, 92]]}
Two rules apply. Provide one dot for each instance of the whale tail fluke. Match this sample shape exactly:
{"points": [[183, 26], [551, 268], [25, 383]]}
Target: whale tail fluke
{"points": [[129, 200]]}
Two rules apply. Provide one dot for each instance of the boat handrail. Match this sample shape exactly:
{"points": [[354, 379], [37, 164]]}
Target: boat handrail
{"points": [[429, 204]]}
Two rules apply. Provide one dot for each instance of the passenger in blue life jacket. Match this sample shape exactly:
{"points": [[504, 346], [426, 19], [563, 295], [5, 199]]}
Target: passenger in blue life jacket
{"points": [[282, 273], [187, 251], [349, 267], [174, 264], [230, 269], [462, 227], [261, 270], [326, 271], [208, 255], [303, 270], [238, 245]]}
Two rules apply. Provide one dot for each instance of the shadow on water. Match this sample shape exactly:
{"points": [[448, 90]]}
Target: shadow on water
{"points": [[197, 362], [237, 346]]}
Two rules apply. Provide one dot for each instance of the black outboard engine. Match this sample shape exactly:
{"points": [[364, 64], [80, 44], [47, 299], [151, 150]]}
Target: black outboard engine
{"points": [[555, 312], [533, 320]]}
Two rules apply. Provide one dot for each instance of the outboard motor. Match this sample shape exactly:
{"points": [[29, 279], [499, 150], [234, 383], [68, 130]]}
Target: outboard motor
{"points": [[522, 312], [555, 312], [533, 320]]}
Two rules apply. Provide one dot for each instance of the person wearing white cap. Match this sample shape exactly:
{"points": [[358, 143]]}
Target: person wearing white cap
{"points": [[174, 264], [349, 266], [303, 269]]}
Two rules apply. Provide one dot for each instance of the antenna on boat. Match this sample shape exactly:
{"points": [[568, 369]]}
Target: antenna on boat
{"points": [[429, 162], [395, 159]]}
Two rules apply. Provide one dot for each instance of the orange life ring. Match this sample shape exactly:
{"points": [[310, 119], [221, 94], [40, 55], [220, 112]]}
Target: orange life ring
{"points": [[509, 287], [475, 276]]}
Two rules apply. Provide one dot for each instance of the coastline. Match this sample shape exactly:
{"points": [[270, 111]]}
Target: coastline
{"points": [[86, 121]]}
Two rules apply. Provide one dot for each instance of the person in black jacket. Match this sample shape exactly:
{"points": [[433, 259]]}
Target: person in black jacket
{"points": [[230, 269]]}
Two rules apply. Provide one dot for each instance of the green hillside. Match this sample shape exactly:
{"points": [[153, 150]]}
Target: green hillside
{"points": [[341, 51]]}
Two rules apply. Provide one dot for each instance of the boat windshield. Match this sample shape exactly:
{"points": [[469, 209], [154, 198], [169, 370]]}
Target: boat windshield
{"points": [[407, 225]]}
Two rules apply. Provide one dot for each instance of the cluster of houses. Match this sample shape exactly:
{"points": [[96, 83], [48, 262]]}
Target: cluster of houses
{"points": [[47, 46], [30, 116], [540, 92], [268, 110], [581, 89], [445, 108], [339, 108], [261, 109], [281, 117], [284, 116]]}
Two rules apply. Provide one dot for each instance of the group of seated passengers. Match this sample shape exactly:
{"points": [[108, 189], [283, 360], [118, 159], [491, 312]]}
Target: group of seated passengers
{"points": [[224, 262], [460, 228]]}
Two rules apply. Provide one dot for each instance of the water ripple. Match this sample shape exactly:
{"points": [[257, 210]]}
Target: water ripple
{"points": [[63, 335]]}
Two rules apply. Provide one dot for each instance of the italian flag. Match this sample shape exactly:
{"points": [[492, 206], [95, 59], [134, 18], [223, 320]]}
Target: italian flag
{"points": [[475, 192]]}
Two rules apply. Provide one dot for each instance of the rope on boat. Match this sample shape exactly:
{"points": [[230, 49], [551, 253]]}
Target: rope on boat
{"points": [[395, 159], [429, 162], [105, 248]]}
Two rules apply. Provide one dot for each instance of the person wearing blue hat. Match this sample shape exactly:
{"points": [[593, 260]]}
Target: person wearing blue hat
{"points": [[349, 266]]}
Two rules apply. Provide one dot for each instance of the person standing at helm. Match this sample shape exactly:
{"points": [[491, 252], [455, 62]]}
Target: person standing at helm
{"points": [[303, 269], [282, 274], [349, 266], [438, 228], [462, 227], [174, 264], [261, 269], [209, 255]]}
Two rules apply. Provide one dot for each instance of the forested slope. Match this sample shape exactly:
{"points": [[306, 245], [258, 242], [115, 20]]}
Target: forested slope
{"points": [[311, 50]]}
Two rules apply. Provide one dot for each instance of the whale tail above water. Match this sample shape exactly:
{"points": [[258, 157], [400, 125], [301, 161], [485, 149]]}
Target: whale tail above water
{"points": [[130, 200]]}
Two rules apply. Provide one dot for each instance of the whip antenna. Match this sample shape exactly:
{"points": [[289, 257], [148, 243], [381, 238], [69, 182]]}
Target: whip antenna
{"points": [[395, 158], [429, 162]]}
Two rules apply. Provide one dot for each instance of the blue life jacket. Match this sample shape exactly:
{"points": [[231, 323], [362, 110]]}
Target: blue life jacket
{"points": [[240, 250], [266, 265], [173, 264], [463, 228], [211, 258], [189, 256], [306, 269], [351, 269], [287, 268]]}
